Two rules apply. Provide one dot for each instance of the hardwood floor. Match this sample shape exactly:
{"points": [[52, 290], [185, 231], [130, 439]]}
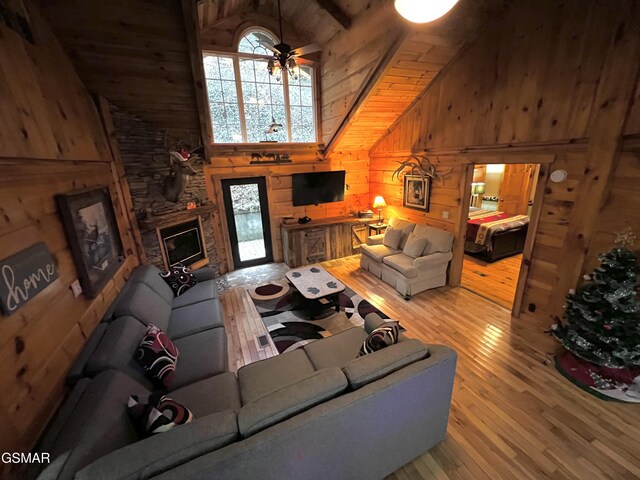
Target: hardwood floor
{"points": [[513, 415], [495, 281]]}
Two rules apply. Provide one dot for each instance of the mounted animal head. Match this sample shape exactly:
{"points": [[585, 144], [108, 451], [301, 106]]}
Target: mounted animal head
{"points": [[180, 172], [420, 165]]}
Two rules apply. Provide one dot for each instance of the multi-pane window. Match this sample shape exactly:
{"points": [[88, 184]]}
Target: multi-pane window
{"points": [[248, 105]]}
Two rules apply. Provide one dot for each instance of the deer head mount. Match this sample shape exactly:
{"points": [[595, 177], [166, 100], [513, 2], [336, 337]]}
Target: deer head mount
{"points": [[420, 165], [180, 171]]}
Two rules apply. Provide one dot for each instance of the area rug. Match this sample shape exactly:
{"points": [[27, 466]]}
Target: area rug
{"points": [[284, 313]]}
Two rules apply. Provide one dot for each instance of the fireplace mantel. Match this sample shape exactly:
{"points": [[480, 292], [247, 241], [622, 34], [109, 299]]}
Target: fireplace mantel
{"points": [[155, 221]]}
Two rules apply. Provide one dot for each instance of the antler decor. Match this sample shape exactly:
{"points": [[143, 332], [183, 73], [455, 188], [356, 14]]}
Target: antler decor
{"points": [[420, 165]]}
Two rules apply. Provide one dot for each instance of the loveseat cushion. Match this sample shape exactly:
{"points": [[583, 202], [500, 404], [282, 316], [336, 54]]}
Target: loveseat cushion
{"points": [[263, 377], [369, 368], [290, 400], [211, 395], [158, 356], [202, 355], [406, 226], [143, 303], [336, 350], [402, 263], [438, 240], [415, 245], [195, 318], [392, 237], [200, 292], [377, 252], [150, 276]]}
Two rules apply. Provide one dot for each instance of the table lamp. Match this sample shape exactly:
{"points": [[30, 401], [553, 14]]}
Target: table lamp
{"points": [[378, 203]]}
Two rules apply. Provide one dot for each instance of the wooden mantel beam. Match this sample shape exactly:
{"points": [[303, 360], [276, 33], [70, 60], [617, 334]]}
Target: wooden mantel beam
{"points": [[336, 12]]}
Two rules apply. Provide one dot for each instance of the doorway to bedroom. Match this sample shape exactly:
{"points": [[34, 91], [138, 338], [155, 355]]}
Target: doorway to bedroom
{"points": [[500, 207]]}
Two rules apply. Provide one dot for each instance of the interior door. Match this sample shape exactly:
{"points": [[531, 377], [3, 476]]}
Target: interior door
{"points": [[247, 211], [515, 190]]}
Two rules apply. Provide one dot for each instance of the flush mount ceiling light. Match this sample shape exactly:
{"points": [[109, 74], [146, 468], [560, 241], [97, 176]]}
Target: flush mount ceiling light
{"points": [[423, 11]]}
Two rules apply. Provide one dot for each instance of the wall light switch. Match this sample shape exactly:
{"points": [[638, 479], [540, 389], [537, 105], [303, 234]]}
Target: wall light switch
{"points": [[76, 288], [445, 214]]}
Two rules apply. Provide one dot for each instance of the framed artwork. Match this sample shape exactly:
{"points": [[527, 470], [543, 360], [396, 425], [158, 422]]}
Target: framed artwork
{"points": [[417, 191], [92, 231]]}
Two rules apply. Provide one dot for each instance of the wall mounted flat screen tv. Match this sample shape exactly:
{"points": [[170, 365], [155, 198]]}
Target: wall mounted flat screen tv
{"points": [[318, 187]]}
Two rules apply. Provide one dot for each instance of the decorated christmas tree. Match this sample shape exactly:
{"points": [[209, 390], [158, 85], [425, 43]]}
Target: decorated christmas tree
{"points": [[602, 317]]}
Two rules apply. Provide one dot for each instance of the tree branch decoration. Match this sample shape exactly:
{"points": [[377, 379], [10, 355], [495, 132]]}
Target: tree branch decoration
{"points": [[420, 165]]}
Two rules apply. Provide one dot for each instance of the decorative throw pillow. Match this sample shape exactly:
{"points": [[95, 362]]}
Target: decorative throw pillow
{"points": [[392, 237], [158, 356], [156, 414], [179, 278], [383, 336], [414, 246]]}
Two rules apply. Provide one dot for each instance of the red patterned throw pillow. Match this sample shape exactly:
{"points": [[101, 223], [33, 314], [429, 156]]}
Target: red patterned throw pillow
{"points": [[158, 356], [383, 336], [156, 414], [179, 278]]}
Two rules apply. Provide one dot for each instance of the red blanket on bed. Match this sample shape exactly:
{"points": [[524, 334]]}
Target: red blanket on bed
{"points": [[483, 224]]}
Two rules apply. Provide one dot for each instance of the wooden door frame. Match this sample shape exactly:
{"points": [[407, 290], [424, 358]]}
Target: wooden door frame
{"points": [[469, 162]]}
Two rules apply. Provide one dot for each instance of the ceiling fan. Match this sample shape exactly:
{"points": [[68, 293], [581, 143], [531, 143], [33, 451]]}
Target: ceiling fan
{"points": [[284, 57]]}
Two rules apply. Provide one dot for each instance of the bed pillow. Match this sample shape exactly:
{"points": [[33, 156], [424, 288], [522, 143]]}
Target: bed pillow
{"points": [[392, 237], [383, 336], [179, 278], [156, 414], [158, 356], [415, 246]]}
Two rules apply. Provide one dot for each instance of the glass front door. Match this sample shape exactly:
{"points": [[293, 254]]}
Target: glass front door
{"points": [[247, 212]]}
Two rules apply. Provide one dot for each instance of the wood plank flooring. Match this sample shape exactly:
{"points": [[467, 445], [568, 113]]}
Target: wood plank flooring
{"points": [[513, 415], [495, 281]]}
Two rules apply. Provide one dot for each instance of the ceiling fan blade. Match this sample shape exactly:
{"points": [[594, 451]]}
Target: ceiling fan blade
{"points": [[270, 47], [307, 49], [305, 62]]}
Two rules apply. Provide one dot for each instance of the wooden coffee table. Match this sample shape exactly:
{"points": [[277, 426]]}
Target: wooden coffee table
{"points": [[315, 284]]}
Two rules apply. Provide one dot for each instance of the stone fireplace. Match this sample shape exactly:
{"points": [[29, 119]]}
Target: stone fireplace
{"points": [[183, 243]]}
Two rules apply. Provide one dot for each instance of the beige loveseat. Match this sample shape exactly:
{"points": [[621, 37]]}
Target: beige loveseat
{"points": [[409, 274]]}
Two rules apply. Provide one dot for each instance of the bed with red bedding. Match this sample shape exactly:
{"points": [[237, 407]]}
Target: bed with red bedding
{"points": [[493, 235]]}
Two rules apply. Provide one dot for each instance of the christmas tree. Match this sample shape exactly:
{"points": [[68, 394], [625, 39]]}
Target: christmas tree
{"points": [[602, 317]]}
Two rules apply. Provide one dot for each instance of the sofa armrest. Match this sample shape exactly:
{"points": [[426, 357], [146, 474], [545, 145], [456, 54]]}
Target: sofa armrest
{"points": [[431, 261], [161, 452], [375, 239]]}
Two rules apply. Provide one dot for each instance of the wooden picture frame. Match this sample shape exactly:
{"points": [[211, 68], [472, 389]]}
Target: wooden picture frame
{"points": [[416, 192], [92, 231]]}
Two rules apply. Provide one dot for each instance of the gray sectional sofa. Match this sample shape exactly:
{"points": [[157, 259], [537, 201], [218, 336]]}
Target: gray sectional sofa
{"points": [[316, 412]]}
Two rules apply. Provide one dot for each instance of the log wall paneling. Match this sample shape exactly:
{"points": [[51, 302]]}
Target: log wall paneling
{"points": [[51, 141]]}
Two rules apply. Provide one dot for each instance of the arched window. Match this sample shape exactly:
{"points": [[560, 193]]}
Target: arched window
{"points": [[248, 105]]}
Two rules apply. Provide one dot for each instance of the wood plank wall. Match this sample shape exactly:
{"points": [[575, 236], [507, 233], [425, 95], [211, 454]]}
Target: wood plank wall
{"points": [[235, 164], [528, 85], [51, 141]]}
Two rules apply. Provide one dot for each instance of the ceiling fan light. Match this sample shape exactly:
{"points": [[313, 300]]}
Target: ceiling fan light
{"points": [[423, 11]]}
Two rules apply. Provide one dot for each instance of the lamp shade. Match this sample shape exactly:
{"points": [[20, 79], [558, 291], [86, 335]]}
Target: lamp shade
{"points": [[423, 11], [379, 202]]}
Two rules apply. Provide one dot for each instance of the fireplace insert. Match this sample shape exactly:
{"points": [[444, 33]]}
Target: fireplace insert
{"points": [[182, 243]]}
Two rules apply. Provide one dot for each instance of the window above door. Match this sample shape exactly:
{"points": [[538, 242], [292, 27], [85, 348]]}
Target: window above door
{"points": [[248, 105]]}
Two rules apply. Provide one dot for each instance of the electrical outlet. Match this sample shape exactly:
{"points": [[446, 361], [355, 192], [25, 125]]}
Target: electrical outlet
{"points": [[445, 214], [76, 288]]}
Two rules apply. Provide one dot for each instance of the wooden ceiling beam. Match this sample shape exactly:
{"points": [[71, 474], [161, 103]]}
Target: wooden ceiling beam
{"points": [[338, 14]]}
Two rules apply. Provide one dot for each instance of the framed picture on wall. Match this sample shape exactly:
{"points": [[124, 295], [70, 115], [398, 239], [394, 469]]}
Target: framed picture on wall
{"points": [[417, 191], [92, 231]]}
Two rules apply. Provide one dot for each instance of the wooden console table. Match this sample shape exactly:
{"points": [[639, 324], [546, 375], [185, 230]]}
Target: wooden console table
{"points": [[320, 240]]}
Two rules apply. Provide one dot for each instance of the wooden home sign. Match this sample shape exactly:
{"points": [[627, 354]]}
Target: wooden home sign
{"points": [[24, 275]]}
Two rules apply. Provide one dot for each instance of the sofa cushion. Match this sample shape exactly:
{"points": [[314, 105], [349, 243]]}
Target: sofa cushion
{"points": [[406, 226], [195, 318], [369, 368], [158, 356], [200, 292], [156, 413], [289, 400], [377, 252], [179, 279], [99, 423], [402, 263], [211, 395], [392, 237], [143, 303], [336, 350], [439, 240], [381, 337], [202, 355], [150, 276], [415, 245], [263, 377]]}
